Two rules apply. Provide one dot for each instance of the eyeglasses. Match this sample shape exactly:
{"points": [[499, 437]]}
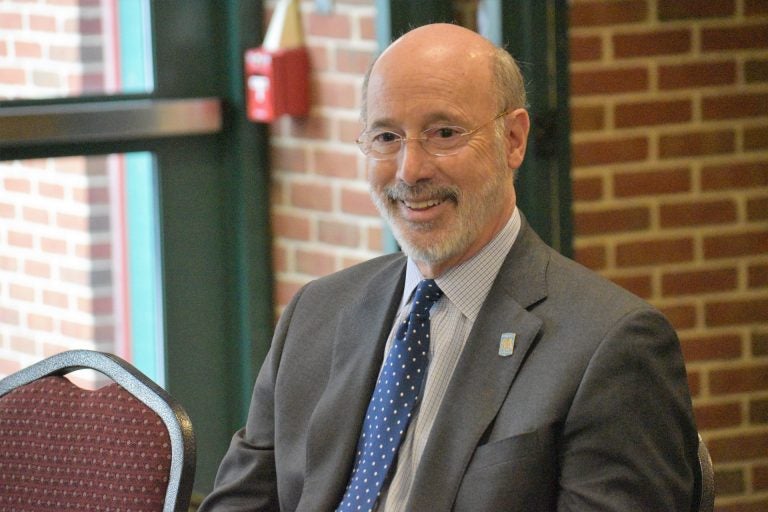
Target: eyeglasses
{"points": [[437, 141]]}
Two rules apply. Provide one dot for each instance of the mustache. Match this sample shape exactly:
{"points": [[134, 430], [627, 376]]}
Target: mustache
{"points": [[403, 192]]}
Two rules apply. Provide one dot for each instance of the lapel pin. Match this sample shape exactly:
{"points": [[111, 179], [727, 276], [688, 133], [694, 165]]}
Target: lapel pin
{"points": [[507, 344]]}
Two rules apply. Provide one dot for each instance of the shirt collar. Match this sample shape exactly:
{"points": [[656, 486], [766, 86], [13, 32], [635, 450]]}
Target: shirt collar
{"points": [[467, 285]]}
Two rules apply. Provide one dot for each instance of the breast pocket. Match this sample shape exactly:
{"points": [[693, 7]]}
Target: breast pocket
{"points": [[515, 473]]}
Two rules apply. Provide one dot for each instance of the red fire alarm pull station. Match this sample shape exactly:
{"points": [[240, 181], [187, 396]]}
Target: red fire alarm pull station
{"points": [[277, 73]]}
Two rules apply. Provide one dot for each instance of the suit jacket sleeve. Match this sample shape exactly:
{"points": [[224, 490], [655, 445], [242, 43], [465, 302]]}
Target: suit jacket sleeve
{"points": [[247, 477], [628, 440]]}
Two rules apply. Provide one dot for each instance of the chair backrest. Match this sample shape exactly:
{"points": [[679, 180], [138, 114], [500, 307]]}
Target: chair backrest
{"points": [[128, 445], [707, 483]]}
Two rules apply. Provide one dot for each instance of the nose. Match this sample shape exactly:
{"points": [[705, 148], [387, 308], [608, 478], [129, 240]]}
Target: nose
{"points": [[414, 164]]}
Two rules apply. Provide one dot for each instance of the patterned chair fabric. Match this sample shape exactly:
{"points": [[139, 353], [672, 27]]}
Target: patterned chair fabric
{"points": [[67, 448]]}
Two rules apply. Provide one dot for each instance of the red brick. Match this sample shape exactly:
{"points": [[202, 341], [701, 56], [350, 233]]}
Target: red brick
{"points": [[758, 411], [375, 239], [649, 113], [652, 183], [53, 245], [368, 28], [737, 312], [295, 227], [11, 21], [42, 23], [607, 12], [7, 210], [651, 43], [714, 416], [760, 478], [349, 131], [285, 290], [336, 93], [40, 322], [739, 380], [740, 37], [357, 202], [593, 256], [699, 282], [756, 138], [55, 299], [609, 81], [759, 343], [22, 292], [641, 285], [697, 144], [614, 220], [587, 118], [13, 76], [610, 151], [336, 164], [315, 263], [694, 9], [757, 209], [738, 447], [9, 316], [72, 222], [23, 240], [19, 185], [319, 58], [587, 189], [51, 190], [698, 213], [681, 317], [711, 348], [339, 233], [312, 196], [757, 276], [35, 215], [735, 176], [755, 70], [585, 48], [312, 127], [28, 50], [734, 106], [654, 252], [752, 7], [697, 74], [288, 158], [328, 25], [730, 482], [350, 60], [735, 245]]}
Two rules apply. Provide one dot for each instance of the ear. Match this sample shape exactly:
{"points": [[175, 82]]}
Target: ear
{"points": [[517, 126]]}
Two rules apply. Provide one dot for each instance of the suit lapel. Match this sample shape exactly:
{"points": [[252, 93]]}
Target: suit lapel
{"points": [[335, 425], [482, 377]]}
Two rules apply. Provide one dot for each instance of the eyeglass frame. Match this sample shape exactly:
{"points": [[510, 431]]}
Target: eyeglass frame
{"points": [[465, 137]]}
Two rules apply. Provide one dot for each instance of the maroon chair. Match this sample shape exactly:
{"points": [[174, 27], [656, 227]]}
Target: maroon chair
{"points": [[707, 480], [126, 446]]}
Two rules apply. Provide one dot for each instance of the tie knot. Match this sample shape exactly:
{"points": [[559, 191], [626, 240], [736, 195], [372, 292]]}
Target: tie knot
{"points": [[427, 293]]}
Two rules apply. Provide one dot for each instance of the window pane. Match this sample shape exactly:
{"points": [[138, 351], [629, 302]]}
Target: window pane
{"points": [[79, 259], [56, 49]]}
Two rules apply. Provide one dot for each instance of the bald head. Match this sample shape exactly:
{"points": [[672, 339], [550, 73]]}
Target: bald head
{"points": [[451, 53]]}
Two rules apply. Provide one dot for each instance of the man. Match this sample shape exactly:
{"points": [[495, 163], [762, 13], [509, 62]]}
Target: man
{"points": [[547, 388]]}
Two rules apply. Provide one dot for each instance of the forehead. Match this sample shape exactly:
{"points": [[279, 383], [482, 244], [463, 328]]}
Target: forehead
{"points": [[429, 84]]}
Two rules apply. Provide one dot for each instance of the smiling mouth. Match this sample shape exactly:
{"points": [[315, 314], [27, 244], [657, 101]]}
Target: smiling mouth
{"points": [[421, 205]]}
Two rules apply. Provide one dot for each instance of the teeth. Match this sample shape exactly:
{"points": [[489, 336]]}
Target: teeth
{"points": [[418, 205]]}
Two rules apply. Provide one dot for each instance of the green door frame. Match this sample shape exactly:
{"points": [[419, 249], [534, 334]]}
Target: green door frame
{"points": [[535, 32], [213, 189]]}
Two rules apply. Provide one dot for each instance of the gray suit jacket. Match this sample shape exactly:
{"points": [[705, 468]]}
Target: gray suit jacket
{"points": [[590, 413]]}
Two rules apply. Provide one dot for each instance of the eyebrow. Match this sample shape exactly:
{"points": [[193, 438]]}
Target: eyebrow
{"points": [[436, 117]]}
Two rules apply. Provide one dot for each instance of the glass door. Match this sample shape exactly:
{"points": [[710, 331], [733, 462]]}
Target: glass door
{"points": [[133, 197]]}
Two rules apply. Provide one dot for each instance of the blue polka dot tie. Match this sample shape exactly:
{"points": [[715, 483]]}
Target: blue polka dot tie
{"points": [[392, 404]]}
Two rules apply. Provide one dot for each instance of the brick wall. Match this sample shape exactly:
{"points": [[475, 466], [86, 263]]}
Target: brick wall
{"points": [[670, 155], [322, 216], [55, 236]]}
